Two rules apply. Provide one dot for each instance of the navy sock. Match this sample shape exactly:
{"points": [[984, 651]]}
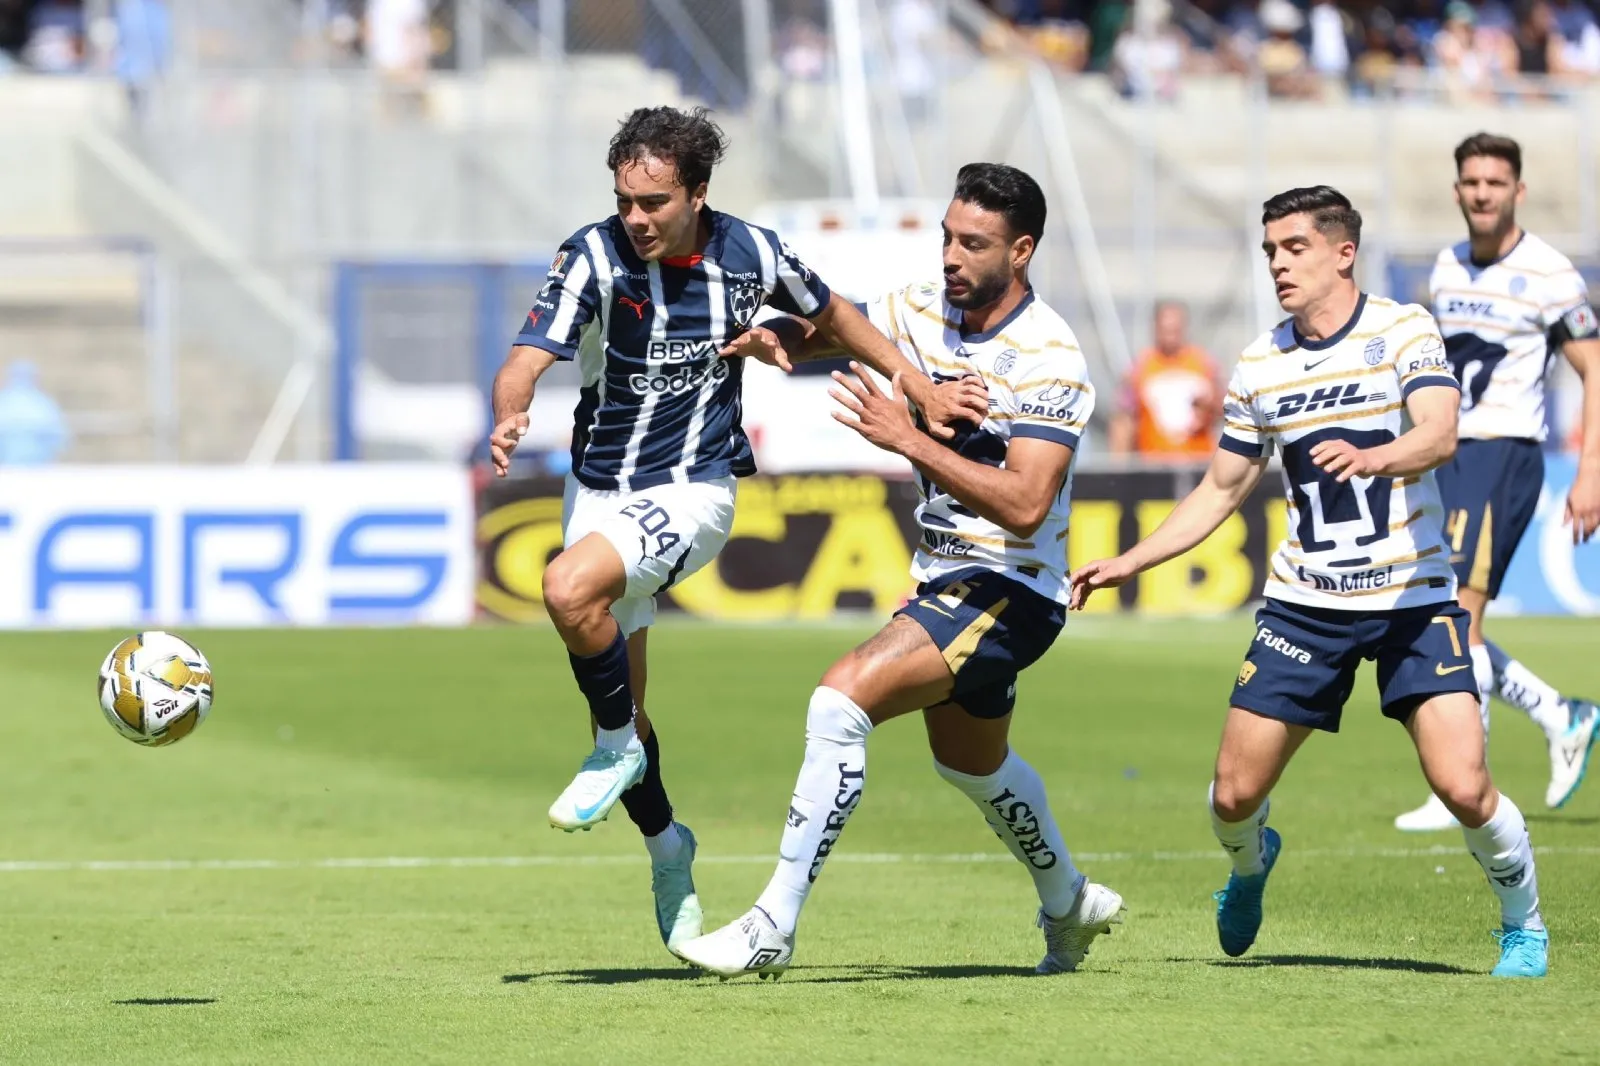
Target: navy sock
{"points": [[603, 679], [646, 802]]}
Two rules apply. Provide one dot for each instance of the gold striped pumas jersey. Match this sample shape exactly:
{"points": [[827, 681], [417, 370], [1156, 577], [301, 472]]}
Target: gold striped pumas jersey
{"points": [[1038, 387], [1371, 543], [1497, 321]]}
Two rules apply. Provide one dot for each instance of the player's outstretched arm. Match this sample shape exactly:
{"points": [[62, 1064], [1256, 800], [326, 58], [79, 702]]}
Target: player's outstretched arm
{"points": [[1229, 480], [1430, 441], [513, 393], [1016, 497], [963, 401], [1583, 502]]}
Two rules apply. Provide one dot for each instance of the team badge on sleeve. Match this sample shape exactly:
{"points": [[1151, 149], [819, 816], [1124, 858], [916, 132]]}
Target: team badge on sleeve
{"points": [[1581, 322], [558, 265]]}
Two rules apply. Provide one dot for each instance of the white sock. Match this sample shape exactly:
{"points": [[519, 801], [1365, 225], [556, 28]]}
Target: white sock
{"points": [[1241, 840], [665, 845], [1483, 674], [1014, 804], [1528, 693], [624, 739], [829, 787], [1502, 848]]}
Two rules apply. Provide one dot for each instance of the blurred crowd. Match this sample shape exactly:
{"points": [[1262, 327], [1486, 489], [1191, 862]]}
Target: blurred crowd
{"points": [[1308, 48]]}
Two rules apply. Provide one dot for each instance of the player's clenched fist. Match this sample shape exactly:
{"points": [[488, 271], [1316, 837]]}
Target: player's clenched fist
{"points": [[503, 441], [1100, 574]]}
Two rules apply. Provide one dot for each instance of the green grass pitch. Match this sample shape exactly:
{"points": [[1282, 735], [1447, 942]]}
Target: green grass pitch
{"points": [[245, 907]]}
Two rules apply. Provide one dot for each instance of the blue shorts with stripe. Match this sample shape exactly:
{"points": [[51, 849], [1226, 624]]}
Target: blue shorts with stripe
{"points": [[1490, 491], [1301, 666], [989, 629]]}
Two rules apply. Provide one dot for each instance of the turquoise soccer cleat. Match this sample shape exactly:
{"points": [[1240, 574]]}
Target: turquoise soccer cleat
{"points": [[1239, 905], [601, 781], [1523, 953], [677, 907]]}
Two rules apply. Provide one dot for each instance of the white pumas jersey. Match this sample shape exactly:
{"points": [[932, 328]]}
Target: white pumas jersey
{"points": [[1038, 387], [1372, 543], [1496, 320]]}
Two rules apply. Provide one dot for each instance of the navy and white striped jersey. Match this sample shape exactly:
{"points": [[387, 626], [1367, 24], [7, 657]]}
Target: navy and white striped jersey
{"points": [[657, 404]]}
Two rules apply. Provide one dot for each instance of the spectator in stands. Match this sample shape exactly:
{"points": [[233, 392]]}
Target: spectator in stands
{"points": [[32, 429], [913, 36], [1061, 35], [55, 37], [1332, 31], [1578, 49], [1472, 60], [1149, 53], [396, 40], [1536, 41], [1283, 59], [144, 46], [1171, 400]]}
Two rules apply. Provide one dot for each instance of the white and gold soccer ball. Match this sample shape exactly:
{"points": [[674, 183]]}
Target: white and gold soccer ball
{"points": [[155, 688]]}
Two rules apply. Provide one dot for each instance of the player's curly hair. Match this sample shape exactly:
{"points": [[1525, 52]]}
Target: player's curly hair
{"points": [[1007, 191], [1495, 147], [1330, 210], [689, 140]]}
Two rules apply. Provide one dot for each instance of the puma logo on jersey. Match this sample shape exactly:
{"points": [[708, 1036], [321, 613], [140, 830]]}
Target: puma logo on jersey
{"points": [[637, 307]]}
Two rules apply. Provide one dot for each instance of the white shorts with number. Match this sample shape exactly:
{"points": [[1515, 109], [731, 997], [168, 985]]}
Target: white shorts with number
{"points": [[663, 534]]}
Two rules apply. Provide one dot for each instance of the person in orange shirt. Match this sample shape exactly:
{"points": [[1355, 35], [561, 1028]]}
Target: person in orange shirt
{"points": [[1171, 400]]}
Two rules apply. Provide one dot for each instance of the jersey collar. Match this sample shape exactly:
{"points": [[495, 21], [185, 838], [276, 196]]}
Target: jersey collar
{"points": [[1344, 330], [994, 331]]}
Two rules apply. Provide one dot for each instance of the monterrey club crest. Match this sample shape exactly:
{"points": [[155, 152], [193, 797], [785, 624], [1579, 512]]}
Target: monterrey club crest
{"points": [[1374, 351], [744, 302]]}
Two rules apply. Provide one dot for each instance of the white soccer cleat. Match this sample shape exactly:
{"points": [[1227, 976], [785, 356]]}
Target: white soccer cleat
{"points": [[602, 779], [677, 907], [1569, 752], [1430, 817], [1067, 940], [750, 945]]}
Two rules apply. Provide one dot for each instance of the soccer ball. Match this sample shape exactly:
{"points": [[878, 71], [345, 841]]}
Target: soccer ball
{"points": [[155, 688]]}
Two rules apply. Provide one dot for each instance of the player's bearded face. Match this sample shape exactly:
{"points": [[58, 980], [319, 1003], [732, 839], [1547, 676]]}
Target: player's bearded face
{"points": [[662, 217], [1488, 192], [977, 256]]}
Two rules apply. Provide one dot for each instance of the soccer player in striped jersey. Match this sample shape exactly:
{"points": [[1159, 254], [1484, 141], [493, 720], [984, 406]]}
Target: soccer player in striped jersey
{"points": [[1357, 394], [651, 302], [1507, 302], [992, 567]]}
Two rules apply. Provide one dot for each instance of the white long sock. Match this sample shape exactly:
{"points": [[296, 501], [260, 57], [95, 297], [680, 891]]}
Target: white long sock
{"points": [[828, 789], [1528, 692], [1502, 848], [665, 845], [1014, 803], [623, 739], [1483, 674], [1241, 840]]}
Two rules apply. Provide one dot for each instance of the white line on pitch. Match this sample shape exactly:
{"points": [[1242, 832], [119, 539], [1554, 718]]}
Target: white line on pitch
{"points": [[402, 862]]}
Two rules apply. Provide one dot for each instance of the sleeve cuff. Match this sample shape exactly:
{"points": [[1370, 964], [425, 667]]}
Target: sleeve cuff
{"points": [[1053, 434], [549, 344], [1426, 381], [1249, 449], [824, 296]]}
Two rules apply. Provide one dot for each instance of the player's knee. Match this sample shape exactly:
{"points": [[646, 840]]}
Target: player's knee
{"points": [[1470, 797], [1235, 798], [845, 675], [568, 597]]}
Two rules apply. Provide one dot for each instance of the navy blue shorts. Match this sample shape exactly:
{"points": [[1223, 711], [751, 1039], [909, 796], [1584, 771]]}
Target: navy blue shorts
{"points": [[1301, 666], [1490, 491], [989, 628]]}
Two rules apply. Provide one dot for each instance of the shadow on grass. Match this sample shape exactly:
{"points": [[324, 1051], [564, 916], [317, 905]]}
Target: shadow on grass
{"points": [[811, 975], [1337, 962], [1560, 819], [163, 1001]]}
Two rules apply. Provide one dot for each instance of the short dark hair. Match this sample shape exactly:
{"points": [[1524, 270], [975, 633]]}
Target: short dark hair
{"points": [[1006, 191], [1494, 146], [689, 140], [1329, 209]]}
